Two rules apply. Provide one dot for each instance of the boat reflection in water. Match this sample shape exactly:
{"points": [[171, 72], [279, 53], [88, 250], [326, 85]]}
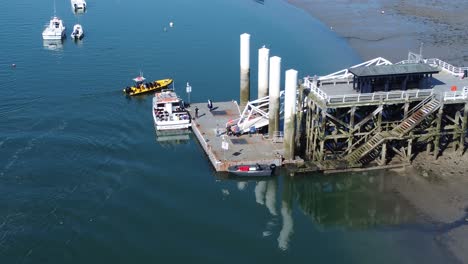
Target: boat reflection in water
{"points": [[358, 202], [53, 44], [173, 137]]}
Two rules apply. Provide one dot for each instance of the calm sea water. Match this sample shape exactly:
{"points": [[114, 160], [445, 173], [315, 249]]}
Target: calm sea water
{"points": [[83, 178]]}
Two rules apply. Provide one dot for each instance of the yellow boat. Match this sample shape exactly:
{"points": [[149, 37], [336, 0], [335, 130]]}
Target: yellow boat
{"points": [[141, 86]]}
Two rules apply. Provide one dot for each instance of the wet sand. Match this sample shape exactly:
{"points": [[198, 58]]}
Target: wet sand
{"points": [[441, 26], [438, 188]]}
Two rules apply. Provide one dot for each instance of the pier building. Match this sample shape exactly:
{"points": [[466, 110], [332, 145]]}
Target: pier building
{"points": [[379, 114]]}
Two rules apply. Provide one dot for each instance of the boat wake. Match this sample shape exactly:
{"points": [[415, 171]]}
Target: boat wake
{"points": [[29, 146]]}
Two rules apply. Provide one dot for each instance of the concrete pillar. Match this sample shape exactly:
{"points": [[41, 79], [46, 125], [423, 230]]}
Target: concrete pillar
{"points": [[244, 69], [274, 93], [290, 113], [263, 55]]}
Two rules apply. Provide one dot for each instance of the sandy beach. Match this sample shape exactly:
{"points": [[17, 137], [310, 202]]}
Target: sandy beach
{"points": [[389, 29]]}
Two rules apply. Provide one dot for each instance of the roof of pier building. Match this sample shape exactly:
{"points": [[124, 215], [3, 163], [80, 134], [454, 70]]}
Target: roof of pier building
{"points": [[392, 70]]}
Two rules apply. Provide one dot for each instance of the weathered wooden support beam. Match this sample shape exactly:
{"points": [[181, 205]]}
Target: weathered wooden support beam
{"points": [[309, 128], [409, 153], [337, 120], [428, 148], [464, 125], [321, 136], [405, 109], [299, 117], [383, 156], [352, 113], [437, 132], [399, 152]]}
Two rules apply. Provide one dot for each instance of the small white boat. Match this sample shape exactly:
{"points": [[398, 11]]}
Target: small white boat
{"points": [[169, 112], [77, 32], [78, 5], [55, 30]]}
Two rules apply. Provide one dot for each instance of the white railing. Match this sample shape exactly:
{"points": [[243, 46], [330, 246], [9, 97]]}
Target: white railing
{"points": [[366, 97], [379, 96], [456, 95], [314, 89], [459, 71]]}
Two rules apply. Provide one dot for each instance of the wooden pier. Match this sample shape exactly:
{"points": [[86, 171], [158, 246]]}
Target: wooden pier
{"points": [[210, 129], [415, 108], [374, 115]]}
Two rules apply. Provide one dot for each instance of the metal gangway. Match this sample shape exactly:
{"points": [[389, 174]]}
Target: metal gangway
{"points": [[255, 115]]}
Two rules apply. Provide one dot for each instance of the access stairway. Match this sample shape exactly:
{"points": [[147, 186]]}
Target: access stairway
{"points": [[416, 116]]}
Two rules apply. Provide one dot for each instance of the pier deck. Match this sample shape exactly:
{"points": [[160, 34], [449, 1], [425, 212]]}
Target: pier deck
{"points": [[245, 149]]}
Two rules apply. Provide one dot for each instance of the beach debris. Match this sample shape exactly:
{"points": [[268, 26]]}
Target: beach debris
{"points": [[171, 24]]}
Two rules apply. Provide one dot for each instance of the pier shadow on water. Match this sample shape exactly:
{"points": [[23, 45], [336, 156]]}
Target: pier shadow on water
{"points": [[356, 206]]}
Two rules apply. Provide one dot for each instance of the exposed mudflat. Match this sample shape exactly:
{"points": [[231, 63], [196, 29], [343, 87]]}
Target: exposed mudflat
{"points": [[441, 26]]}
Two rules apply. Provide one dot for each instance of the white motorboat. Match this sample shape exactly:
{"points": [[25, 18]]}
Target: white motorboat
{"points": [[78, 5], [55, 30], [169, 112], [77, 32]]}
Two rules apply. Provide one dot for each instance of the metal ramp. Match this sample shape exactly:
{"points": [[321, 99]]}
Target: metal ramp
{"points": [[416, 116], [255, 114]]}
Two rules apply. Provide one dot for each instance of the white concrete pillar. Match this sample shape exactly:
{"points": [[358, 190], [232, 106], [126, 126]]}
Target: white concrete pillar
{"points": [[290, 113], [274, 93], [244, 69], [263, 55]]}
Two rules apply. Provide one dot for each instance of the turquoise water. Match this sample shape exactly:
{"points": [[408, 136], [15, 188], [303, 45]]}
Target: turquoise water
{"points": [[84, 179]]}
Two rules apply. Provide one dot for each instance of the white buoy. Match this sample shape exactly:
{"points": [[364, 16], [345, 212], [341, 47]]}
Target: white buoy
{"points": [[274, 93], [382, 12], [171, 24], [290, 113], [263, 55], [244, 69]]}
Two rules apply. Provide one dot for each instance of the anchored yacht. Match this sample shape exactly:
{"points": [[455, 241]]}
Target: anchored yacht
{"points": [[78, 4], [55, 30]]}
